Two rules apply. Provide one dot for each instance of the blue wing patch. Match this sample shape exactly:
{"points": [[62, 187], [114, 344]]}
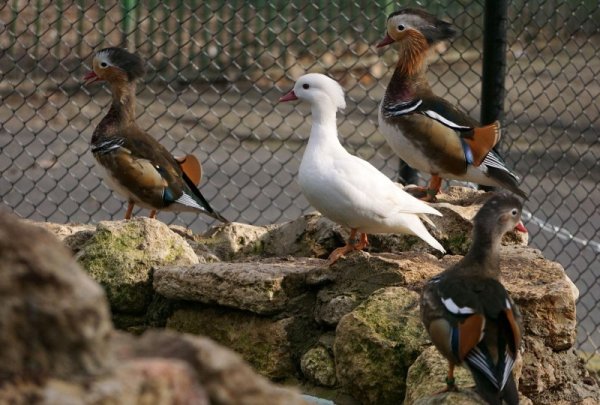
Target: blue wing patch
{"points": [[468, 151]]}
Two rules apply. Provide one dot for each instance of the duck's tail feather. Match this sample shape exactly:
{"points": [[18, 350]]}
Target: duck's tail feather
{"points": [[419, 230]]}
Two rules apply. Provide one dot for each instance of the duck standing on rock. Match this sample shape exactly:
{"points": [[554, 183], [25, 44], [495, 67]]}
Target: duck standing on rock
{"points": [[345, 188], [426, 131], [469, 315], [135, 164]]}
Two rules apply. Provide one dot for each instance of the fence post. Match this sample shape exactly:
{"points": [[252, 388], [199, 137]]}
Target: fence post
{"points": [[494, 60], [127, 20]]}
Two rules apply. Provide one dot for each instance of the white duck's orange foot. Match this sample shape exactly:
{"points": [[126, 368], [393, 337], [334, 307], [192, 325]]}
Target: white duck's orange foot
{"points": [[339, 252], [362, 243]]}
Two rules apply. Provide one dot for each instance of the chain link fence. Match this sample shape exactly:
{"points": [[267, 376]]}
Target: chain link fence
{"points": [[216, 70]]}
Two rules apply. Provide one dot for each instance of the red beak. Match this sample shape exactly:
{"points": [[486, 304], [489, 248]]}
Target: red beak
{"points": [[385, 41], [520, 227], [289, 97], [90, 77]]}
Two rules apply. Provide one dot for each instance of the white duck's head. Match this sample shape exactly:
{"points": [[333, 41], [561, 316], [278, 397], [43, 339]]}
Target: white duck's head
{"points": [[317, 88]]}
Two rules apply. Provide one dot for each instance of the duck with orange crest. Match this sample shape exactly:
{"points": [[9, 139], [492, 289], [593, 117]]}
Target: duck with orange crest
{"points": [[135, 164], [426, 131]]}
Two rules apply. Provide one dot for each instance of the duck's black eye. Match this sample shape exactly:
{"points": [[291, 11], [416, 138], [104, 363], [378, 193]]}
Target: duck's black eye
{"points": [[104, 64], [400, 27], [514, 212], [305, 86]]}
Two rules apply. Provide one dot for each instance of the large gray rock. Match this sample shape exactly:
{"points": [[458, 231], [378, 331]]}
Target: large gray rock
{"points": [[54, 320], [261, 287], [376, 343], [263, 342], [121, 255], [57, 346], [227, 378]]}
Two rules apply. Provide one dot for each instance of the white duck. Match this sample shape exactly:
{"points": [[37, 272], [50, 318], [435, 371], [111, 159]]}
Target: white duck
{"points": [[345, 188]]}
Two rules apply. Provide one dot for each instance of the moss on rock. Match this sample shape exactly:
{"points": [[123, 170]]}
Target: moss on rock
{"points": [[318, 366], [376, 343], [120, 256], [261, 341]]}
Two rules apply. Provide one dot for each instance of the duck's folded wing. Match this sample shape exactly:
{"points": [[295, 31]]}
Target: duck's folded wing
{"points": [[368, 188], [476, 140]]}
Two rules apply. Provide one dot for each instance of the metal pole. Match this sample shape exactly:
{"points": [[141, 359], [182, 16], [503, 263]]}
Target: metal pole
{"points": [[494, 60]]}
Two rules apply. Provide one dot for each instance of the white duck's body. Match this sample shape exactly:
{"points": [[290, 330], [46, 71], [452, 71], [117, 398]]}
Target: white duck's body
{"points": [[345, 188]]}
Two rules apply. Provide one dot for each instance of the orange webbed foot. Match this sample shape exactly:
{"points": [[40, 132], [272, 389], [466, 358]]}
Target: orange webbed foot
{"points": [[339, 252], [349, 247]]}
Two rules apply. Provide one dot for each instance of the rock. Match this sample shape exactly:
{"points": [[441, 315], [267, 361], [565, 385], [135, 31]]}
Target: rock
{"points": [[57, 345], [376, 343], [333, 306], [555, 376], [318, 366], [234, 240], [261, 341], [227, 378], [543, 293], [310, 235], [54, 320], [353, 278], [427, 376], [121, 255], [150, 381], [72, 235], [260, 287]]}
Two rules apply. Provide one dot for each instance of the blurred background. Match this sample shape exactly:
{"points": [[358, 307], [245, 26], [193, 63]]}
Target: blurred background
{"points": [[215, 71]]}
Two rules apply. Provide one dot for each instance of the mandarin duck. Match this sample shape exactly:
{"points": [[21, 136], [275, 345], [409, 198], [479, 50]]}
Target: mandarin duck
{"points": [[426, 131], [468, 313], [345, 188], [136, 166]]}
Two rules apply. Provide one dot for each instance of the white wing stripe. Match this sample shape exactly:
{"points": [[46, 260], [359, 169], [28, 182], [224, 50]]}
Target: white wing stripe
{"points": [[508, 365], [392, 112], [455, 309], [185, 199], [445, 121], [478, 360]]}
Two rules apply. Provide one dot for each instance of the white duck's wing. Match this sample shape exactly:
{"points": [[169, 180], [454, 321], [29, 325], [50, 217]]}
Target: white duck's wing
{"points": [[370, 189]]}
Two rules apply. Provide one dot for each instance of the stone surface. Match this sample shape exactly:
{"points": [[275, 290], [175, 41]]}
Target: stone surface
{"points": [[555, 376], [234, 240], [427, 376], [310, 235], [54, 320], [227, 378], [72, 235], [544, 295], [263, 342], [318, 366], [121, 254], [353, 278], [376, 343], [260, 287]]}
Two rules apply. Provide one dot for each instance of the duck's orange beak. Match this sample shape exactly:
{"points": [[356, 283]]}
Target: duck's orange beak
{"points": [[385, 41], [520, 227], [289, 97], [91, 77]]}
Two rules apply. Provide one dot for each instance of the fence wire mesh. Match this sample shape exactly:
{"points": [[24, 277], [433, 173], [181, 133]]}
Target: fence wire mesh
{"points": [[216, 70]]}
